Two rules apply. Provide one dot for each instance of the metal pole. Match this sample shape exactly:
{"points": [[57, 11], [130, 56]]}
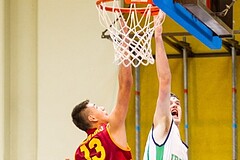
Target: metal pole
{"points": [[185, 81], [234, 104], [137, 111]]}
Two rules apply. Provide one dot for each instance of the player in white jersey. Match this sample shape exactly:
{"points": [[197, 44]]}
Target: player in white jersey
{"points": [[164, 141]]}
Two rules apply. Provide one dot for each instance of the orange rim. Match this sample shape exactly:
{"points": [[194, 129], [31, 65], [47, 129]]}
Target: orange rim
{"points": [[154, 9]]}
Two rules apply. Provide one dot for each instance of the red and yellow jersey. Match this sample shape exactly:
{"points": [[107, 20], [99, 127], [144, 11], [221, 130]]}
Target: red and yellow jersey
{"points": [[100, 146]]}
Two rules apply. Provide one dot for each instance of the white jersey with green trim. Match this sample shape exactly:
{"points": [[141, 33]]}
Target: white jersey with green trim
{"points": [[172, 149]]}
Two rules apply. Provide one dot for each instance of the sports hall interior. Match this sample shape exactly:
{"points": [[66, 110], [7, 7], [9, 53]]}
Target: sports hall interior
{"points": [[53, 57]]}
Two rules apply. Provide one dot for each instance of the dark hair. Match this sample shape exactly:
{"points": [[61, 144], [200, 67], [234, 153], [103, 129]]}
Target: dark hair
{"points": [[78, 116], [173, 95]]}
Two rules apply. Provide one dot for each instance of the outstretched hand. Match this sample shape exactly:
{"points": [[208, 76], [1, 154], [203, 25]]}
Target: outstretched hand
{"points": [[158, 21], [123, 25], [124, 30]]}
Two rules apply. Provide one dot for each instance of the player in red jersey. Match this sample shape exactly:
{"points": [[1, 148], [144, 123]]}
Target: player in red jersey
{"points": [[107, 138]]}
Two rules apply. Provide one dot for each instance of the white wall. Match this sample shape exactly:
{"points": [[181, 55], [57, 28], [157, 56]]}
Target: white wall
{"points": [[74, 64], [23, 79], [55, 58]]}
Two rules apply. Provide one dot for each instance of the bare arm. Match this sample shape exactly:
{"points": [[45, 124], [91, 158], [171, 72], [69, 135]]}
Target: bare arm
{"points": [[162, 115], [119, 113]]}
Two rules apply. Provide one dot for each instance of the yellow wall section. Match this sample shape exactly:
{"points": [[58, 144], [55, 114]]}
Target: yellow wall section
{"points": [[210, 99]]}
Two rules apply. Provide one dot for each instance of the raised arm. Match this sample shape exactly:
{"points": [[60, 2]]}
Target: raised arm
{"points": [[119, 113], [162, 115]]}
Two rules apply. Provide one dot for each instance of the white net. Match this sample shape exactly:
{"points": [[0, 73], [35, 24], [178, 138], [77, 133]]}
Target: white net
{"points": [[140, 29]]}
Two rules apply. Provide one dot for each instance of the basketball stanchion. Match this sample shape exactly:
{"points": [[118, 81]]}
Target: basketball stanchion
{"points": [[132, 23]]}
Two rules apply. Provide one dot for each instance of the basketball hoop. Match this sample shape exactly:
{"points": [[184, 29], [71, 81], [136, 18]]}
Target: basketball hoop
{"points": [[138, 21]]}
